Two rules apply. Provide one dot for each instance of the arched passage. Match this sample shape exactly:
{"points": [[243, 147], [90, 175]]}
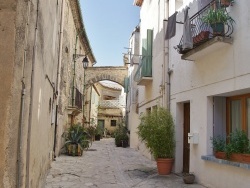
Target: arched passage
{"points": [[114, 74]]}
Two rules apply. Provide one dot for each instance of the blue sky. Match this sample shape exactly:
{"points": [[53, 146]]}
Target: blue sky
{"points": [[109, 25]]}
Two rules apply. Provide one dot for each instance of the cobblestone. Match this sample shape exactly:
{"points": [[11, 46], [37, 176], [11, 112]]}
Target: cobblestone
{"points": [[107, 166]]}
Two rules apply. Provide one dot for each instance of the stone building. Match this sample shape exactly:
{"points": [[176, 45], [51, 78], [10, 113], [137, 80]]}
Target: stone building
{"points": [[38, 40], [204, 84], [72, 91], [111, 106]]}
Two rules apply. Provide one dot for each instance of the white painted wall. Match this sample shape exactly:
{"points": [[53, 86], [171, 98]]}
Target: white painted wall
{"points": [[225, 72]]}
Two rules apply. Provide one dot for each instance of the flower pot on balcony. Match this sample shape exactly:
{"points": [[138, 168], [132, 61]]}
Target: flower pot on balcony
{"points": [[218, 29], [225, 3], [201, 37]]}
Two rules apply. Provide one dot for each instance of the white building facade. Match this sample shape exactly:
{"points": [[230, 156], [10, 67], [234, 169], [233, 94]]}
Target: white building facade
{"points": [[206, 88]]}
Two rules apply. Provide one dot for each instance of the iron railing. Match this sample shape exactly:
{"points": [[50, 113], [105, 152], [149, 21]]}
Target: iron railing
{"points": [[202, 32], [144, 69], [112, 104]]}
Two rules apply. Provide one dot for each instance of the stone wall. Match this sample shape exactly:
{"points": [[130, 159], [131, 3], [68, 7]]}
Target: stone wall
{"points": [[115, 74]]}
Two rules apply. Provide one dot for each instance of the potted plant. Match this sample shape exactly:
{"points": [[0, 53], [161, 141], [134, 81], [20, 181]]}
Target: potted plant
{"points": [[121, 137], [216, 18], [238, 145], [75, 140], [98, 132], [156, 129], [91, 132], [226, 3], [219, 145]]}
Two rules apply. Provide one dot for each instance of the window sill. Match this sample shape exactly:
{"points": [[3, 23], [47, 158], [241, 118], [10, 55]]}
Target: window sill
{"points": [[211, 158]]}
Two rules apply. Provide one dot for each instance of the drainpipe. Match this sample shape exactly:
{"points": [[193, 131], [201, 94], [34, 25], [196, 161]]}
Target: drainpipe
{"points": [[20, 159], [74, 73], [164, 59], [31, 100], [168, 88], [90, 102], [166, 85], [58, 80]]}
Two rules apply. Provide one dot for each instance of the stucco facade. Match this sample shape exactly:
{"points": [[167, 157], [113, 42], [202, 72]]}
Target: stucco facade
{"points": [[29, 56], [205, 86]]}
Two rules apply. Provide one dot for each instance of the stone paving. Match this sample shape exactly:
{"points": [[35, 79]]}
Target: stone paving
{"points": [[107, 166]]}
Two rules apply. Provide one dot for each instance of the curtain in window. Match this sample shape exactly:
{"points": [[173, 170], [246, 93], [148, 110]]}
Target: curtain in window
{"points": [[236, 115], [248, 117]]}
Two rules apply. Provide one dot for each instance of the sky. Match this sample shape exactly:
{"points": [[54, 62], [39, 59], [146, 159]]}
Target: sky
{"points": [[109, 24]]}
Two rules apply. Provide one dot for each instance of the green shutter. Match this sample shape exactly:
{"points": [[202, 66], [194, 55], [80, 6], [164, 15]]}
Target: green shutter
{"points": [[145, 67], [126, 85], [147, 55]]}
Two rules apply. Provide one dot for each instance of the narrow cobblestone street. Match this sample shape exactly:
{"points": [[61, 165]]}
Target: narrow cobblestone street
{"points": [[107, 166]]}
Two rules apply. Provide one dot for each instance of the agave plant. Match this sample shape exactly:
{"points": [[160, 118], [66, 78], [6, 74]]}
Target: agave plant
{"points": [[76, 135]]}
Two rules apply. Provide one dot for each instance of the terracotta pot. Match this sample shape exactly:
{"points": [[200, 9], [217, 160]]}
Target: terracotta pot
{"points": [[224, 3], [164, 166], [201, 37], [218, 29], [220, 155], [246, 158], [237, 157]]}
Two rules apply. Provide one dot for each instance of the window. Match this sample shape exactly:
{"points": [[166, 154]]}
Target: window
{"points": [[113, 123], [148, 110], [238, 113]]}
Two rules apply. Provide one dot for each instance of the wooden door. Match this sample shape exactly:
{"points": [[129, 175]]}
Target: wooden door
{"points": [[186, 145]]}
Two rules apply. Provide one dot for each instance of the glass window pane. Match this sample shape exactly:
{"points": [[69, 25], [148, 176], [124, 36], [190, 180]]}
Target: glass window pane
{"points": [[248, 117], [236, 115]]}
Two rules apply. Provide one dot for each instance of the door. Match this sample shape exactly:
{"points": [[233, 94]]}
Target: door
{"points": [[101, 123], [186, 145]]}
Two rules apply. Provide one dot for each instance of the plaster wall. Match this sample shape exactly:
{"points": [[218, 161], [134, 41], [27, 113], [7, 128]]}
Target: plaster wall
{"points": [[24, 43], [45, 57], [224, 72], [152, 15], [132, 95], [151, 94], [94, 105], [7, 65]]}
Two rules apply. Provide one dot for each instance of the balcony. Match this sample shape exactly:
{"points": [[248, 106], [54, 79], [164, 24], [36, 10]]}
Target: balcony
{"points": [[206, 38], [76, 105], [143, 75], [112, 104]]}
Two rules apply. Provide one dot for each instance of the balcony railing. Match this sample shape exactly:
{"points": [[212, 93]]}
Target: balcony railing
{"points": [[143, 73], [112, 104], [203, 32]]}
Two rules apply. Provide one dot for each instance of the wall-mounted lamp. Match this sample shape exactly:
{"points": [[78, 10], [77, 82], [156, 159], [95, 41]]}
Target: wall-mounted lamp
{"points": [[85, 62]]}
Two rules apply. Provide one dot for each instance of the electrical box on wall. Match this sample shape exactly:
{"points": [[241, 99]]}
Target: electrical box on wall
{"points": [[193, 138]]}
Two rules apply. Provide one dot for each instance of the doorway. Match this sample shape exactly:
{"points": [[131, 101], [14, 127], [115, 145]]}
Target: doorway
{"points": [[186, 145]]}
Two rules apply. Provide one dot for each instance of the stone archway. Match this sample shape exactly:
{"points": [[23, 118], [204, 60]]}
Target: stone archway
{"points": [[114, 74]]}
